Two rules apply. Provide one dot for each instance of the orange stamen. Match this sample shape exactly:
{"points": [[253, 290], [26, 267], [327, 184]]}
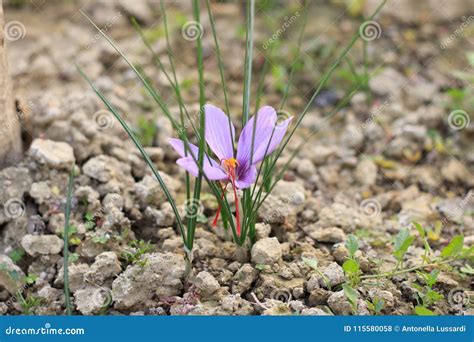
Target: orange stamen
{"points": [[230, 166]]}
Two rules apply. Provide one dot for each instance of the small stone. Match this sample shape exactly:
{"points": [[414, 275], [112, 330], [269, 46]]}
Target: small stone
{"points": [[318, 297], [140, 9], [312, 283], [386, 296], [160, 218], [14, 182], [56, 223], [41, 244], [40, 191], [339, 303], [114, 200], [91, 300], [206, 284], [313, 312], [54, 154], [10, 275], [162, 275], [388, 82], [298, 292], [105, 266], [243, 279], [262, 230], [306, 168], [333, 275], [273, 210], [455, 172], [76, 274], [149, 192], [328, 235], [49, 294], [105, 168], [266, 251], [35, 225], [321, 154], [236, 305], [366, 172]]}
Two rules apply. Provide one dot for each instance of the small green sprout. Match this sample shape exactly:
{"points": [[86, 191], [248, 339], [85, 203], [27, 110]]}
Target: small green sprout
{"points": [[138, 248], [402, 242], [352, 296], [426, 296], [103, 239], [351, 266], [313, 263], [376, 305], [89, 221]]}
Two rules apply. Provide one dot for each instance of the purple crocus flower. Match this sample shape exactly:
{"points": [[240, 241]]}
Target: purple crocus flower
{"points": [[240, 169], [220, 140]]}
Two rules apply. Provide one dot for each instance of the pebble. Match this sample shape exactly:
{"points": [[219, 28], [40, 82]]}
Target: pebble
{"points": [[273, 210], [388, 82], [306, 168], [10, 274], [206, 284], [105, 168], [366, 172], [339, 304], [333, 275], [56, 155], [162, 275], [266, 251], [328, 235], [41, 244], [244, 278]]}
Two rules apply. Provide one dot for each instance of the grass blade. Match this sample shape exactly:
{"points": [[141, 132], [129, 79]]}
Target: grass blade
{"points": [[248, 60], [221, 65], [141, 149]]}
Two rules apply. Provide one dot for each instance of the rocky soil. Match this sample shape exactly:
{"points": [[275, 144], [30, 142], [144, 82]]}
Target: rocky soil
{"points": [[370, 170]]}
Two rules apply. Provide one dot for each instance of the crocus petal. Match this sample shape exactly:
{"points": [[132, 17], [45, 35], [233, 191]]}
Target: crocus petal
{"points": [[218, 136], [208, 162], [262, 150], [178, 146], [246, 178], [212, 172], [267, 128]]}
